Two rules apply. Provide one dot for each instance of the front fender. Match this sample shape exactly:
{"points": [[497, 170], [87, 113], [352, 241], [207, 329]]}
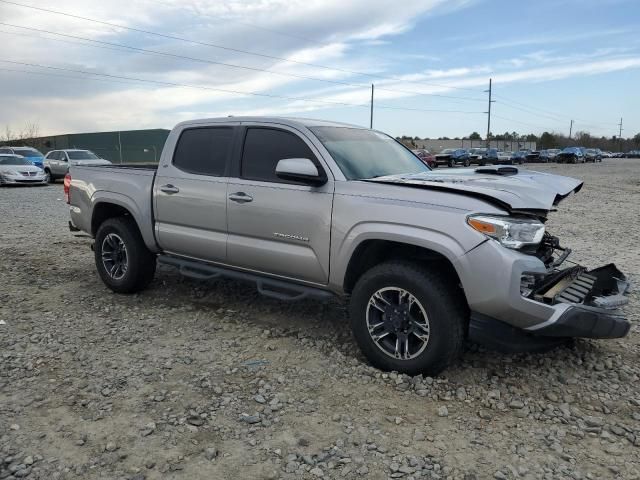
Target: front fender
{"points": [[437, 241]]}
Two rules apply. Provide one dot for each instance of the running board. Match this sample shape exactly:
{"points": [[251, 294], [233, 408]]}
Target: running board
{"points": [[269, 287]]}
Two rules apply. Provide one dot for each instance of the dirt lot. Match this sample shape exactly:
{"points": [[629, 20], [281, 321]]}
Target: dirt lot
{"points": [[191, 380]]}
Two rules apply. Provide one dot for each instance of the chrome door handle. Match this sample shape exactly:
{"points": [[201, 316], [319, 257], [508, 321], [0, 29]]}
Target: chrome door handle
{"points": [[240, 197], [170, 189]]}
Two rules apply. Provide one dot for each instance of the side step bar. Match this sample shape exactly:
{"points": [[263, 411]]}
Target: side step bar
{"points": [[269, 287]]}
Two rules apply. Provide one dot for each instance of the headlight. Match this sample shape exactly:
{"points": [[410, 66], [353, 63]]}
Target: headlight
{"points": [[511, 232]]}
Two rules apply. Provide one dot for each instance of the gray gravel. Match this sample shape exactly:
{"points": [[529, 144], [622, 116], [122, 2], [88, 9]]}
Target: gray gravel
{"points": [[197, 380]]}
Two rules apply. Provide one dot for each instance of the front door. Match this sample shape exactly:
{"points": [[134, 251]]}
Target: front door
{"points": [[190, 192], [275, 226]]}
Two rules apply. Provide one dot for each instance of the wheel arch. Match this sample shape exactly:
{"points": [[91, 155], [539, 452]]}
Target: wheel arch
{"points": [[118, 205], [373, 251]]}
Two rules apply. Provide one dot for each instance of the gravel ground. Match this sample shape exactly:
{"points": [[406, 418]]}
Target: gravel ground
{"points": [[196, 380]]}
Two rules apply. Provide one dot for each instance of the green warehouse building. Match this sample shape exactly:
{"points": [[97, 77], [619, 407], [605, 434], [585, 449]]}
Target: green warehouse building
{"points": [[131, 146]]}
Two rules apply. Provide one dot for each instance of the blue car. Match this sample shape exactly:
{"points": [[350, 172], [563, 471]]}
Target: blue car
{"points": [[31, 154]]}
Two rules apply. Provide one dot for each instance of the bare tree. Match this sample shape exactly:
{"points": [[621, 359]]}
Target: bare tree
{"points": [[29, 131], [8, 134]]}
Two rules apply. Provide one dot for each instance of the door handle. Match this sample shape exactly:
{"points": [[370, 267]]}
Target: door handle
{"points": [[170, 189], [240, 197]]}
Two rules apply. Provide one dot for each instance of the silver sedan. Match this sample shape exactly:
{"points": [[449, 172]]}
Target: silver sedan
{"points": [[17, 170]]}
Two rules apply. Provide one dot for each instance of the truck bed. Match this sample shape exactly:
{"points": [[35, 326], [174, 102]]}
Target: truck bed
{"points": [[129, 185]]}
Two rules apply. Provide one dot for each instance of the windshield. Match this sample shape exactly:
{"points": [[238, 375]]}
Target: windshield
{"points": [[448, 150], [363, 154], [571, 149], [27, 152], [14, 160], [82, 155]]}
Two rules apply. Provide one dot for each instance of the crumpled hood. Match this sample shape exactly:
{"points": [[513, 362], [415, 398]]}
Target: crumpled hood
{"points": [[87, 163], [512, 188]]}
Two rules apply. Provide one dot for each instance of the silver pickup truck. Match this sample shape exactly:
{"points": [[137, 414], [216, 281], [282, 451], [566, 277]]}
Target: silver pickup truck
{"points": [[308, 208]]}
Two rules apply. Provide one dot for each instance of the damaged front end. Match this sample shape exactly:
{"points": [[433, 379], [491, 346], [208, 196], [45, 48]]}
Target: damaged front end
{"points": [[594, 295]]}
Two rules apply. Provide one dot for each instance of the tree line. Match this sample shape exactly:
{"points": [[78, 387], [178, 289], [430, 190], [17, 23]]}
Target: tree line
{"points": [[551, 140]]}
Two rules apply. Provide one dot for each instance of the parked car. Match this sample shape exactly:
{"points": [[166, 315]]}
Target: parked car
{"points": [[552, 153], [34, 155], [453, 156], [476, 155], [491, 155], [632, 154], [571, 155], [592, 155], [532, 156], [494, 156], [426, 157], [19, 170], [514, 159], [56, 163], [308, 208], [618, 155]]}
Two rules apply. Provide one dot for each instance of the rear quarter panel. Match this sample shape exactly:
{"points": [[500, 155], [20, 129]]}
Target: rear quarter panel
{"points": [[130, 188]]}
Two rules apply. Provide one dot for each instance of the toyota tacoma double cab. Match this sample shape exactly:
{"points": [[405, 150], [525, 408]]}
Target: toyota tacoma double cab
{"points": [[306, 208]]}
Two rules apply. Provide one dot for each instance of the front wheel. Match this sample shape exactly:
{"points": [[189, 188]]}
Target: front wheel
{"points": [[408, 319], [124, 263]]}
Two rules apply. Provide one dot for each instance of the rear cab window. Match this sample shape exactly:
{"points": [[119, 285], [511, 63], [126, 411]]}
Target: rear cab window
{"points": [[204, 150]]}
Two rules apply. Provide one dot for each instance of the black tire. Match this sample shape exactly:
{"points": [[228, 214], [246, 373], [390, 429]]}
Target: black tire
{"points": [[467, 162], [140, 262], [451, 163], [51, 179], [446, 312]]}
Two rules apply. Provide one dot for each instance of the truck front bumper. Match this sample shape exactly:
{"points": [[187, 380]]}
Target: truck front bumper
{"points": [[585, 305]]}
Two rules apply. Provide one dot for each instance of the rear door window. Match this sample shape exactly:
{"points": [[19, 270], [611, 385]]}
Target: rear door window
{"points": [[204, 151]]}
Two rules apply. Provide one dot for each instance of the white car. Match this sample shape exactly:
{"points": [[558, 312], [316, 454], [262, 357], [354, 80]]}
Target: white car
{"points": [[17, 170], [56, 162]]}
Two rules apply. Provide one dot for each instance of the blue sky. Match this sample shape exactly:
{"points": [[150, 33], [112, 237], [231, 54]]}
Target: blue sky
{"points": [[431, 60]]}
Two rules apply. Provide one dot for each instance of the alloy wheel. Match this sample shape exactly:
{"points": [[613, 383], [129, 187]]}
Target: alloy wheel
{"points": [[114, 256], [397, 323]]}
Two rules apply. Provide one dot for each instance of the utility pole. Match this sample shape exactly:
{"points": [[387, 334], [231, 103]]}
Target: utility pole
{"points": [[620, 135], [488, 112], [371, 114], [570, 129]]}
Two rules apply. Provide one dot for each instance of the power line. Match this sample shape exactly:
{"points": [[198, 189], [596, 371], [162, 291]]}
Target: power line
{"points": [[231, 49], [102, 43], [547, 113], [118, 78]]}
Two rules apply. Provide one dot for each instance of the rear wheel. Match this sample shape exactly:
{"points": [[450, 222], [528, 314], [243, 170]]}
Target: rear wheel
{"points": [[123, 261], [467, 162], [450, 163], [50, 177], [408, 319]]}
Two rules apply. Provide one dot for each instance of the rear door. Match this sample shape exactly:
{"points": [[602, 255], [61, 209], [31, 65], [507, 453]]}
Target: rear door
{"points": [[276, 226], [190, 192], [53, 159]]}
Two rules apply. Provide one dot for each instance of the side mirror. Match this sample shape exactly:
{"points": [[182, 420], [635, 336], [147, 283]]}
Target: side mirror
{"points": [[300, 170]]}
